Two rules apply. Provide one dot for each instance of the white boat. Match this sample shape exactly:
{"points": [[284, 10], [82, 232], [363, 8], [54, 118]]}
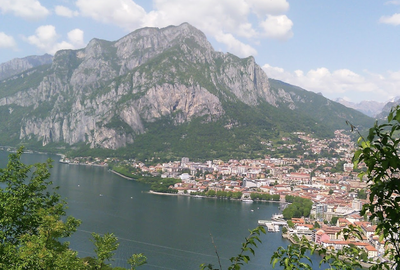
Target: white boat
{"points": [[65, 161], [277, 217], [247, 200]]}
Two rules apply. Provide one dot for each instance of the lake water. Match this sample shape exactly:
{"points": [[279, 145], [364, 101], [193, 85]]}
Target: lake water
{"points": [[174, 232]]}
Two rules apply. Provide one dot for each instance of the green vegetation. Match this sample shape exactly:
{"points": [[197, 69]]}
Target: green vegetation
{"points": [[156, 183], [24, 81], [299, 207], [34, 228], [362, 194], [329, 113], [334, 221], [297, 256], [265, 196], [9, 129], [219, 194], [248, 246], [380, 153]]}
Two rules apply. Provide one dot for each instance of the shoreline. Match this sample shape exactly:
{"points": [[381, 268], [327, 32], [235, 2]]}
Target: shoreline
{"points": [[123, 176], [163, 193]]}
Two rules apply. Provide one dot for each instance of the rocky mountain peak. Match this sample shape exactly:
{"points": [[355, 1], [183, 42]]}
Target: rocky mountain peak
{"points": [[19, 65], [112, 92]]}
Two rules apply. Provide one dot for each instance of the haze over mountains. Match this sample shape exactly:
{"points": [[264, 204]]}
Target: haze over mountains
{"points": [[374, 109], [157, 91], [19, 65]]}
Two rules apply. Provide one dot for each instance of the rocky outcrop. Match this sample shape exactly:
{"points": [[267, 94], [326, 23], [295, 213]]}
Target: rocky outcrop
{"points": [[18, 65], [105, 94]]}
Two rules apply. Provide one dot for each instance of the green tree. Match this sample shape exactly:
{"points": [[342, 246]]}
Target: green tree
{"points": [[21, 200], [334, 220], [290, 224], [104, 247], [243, 257], [294, 256], [30, 219], [380, 153], [361, 194], [298, 208], [43, 250], [297, 256], [316, 225], [137, 260], [33, 226]]}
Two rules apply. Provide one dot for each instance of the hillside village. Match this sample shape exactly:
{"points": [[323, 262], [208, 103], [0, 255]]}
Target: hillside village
{"points": [[329, 182]]}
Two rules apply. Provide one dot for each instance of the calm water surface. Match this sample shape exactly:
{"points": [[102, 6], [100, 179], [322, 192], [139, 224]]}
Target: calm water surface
{"points": [[174, 232]]}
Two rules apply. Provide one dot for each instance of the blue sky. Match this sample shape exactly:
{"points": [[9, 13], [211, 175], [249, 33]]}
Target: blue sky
{"points": [[342, 49]]}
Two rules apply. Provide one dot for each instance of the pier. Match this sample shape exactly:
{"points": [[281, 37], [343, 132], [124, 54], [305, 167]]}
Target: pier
{"points": [[272, 225]]}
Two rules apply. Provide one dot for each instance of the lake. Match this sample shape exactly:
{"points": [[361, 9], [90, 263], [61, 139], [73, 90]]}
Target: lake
{"points": [[173, 232]]}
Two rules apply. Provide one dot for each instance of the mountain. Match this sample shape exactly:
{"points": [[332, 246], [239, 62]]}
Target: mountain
{"points": [[370, 108], [387, 107], [19, 65], [159, 92]]}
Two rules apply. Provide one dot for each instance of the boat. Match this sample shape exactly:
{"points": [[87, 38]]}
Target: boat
{"points": [[64, 161], [277, 217], [247, 200]]}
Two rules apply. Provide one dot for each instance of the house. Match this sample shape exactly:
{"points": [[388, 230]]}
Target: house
{"points": [[320, 236]]}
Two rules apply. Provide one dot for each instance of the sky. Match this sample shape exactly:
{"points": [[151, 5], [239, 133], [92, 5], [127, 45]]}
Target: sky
{"points": [[341, 49]]}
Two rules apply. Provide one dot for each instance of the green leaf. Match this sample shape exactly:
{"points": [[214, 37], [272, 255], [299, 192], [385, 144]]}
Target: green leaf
{"points": [[274, 262]]}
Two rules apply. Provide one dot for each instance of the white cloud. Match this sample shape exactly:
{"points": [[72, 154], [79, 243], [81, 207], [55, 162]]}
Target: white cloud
{"points": [[235, 46], [65, 12], [275, 72], [123, 13], [76, 38], [46, 37], [395, 75], [342, 82], [7, 41], [210, 16], [393, 2], [278, 27], [265, 7], [26, 9], [394, 19], [226, 20]]}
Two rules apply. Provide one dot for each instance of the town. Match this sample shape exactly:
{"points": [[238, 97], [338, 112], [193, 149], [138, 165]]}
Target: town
{"points": [[328, 180]]}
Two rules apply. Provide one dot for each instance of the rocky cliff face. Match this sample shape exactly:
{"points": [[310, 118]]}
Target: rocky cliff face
{"points": [[19, 65], [107, 93]]}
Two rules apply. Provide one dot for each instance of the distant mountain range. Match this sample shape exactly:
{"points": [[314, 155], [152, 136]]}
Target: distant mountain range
{"points": [[378, 110], [157, 92], [19, 65]]}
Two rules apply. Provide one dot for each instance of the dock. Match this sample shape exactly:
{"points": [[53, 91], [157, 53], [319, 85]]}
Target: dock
{"points": [[272, 225]]}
